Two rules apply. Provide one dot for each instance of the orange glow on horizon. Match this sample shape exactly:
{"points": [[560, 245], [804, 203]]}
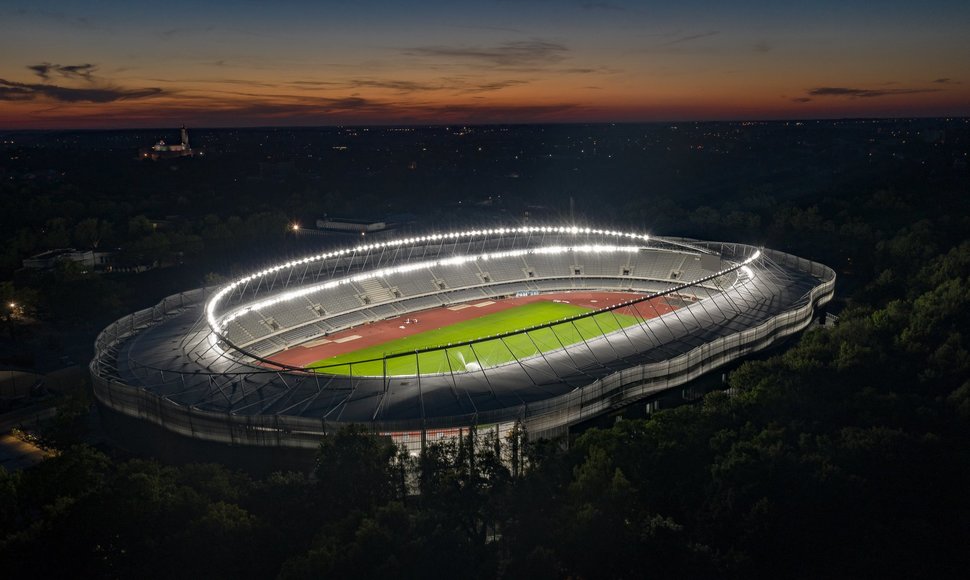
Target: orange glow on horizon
{"points": [[532, 106]]}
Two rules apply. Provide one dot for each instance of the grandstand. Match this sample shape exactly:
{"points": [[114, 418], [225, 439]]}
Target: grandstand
{"points": [[218, 364]]}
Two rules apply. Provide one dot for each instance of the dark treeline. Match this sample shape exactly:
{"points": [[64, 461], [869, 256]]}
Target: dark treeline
{"points": [[846, 456]]}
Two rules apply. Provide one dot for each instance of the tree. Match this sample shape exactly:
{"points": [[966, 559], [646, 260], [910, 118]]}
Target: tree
{"points": [[89, 233], [354, 469]]}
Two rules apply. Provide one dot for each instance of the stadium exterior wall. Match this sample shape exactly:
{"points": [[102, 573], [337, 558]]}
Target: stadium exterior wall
{"points": [[542, 419]]}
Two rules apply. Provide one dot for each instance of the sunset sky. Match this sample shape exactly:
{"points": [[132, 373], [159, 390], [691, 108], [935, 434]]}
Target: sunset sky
{"points": [[108, 63]]}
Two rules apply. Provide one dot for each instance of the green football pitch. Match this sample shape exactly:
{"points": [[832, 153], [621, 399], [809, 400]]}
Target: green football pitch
{"points": [[484, 354]]}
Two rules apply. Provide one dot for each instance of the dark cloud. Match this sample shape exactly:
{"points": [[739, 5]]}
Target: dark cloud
{"points": [[316, 84], [44, 70], [349, 104], [802, 100], [458, 85], [679, 43], [394, 85], [58, 17], [762, 47], [41, 70], [864, 93], [83, 71], [14, 91], [945, 81], [227, 81], [496, 28], [8, 93], [690, 38], [492, 86], [182, 32], [511, 55]]}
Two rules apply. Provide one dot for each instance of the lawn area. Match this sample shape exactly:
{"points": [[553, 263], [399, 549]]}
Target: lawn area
{"points": [[486, 354]]}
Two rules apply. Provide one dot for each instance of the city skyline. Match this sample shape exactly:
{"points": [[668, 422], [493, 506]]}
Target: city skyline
{"points": [[113, 65]]}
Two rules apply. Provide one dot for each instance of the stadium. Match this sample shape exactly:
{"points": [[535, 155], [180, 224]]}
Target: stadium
{"points": [[424, 337]]}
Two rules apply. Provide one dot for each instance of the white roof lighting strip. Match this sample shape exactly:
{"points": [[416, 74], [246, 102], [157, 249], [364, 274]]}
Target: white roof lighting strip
{"points": [[404, 242], [222, 321]]}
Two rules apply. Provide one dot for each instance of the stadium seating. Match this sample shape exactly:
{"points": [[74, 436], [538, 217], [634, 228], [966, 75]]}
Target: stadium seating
{"points": [[459, 276], [505, 270], [370, 299], [413, 283]]}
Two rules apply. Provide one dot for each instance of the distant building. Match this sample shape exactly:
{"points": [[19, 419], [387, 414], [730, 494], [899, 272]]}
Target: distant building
{"points": [[90, 258], [350, 226], [162, 150]]}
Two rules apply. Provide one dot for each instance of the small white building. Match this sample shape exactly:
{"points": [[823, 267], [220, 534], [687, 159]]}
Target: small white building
{"points": [[350, 226], [50, 258]]}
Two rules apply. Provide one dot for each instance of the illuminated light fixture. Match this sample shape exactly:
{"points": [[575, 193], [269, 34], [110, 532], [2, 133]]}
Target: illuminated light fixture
{"points": [[215, 323]]}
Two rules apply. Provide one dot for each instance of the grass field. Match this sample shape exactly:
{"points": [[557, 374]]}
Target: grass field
{"points": [[486, 354]]}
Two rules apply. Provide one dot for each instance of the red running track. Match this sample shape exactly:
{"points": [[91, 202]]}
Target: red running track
{"points": [[390, 329]]}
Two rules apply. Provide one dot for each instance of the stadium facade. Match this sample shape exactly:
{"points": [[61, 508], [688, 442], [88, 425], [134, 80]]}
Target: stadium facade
{"points": [[211, 365]]}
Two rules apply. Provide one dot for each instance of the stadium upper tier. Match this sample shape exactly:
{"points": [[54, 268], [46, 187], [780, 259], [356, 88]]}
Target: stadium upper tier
{"points": [[197, 363], [309, 298]]}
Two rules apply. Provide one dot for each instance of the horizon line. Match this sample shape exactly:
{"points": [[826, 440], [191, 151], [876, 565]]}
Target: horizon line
{"points": [[495, 124]]}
